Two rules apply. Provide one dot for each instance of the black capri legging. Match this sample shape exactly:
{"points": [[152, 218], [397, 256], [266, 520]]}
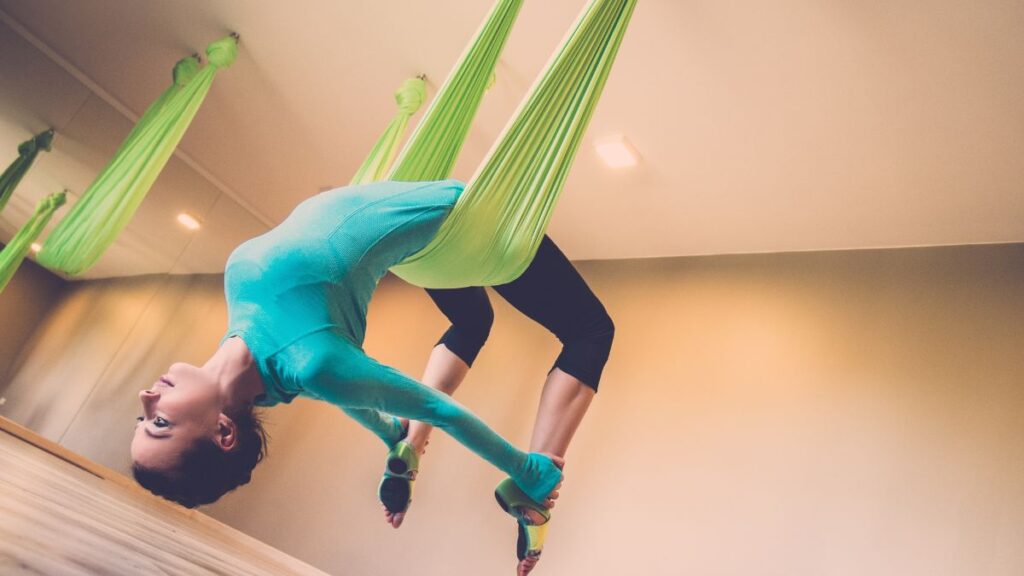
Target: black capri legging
{"points": [[554, 295]]}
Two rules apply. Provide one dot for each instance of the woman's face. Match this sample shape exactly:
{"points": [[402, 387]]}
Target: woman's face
{"points": [[181, 407]]}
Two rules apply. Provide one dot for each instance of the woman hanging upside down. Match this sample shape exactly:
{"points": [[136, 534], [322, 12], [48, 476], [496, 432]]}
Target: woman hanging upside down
{"points": [[297, 300]]}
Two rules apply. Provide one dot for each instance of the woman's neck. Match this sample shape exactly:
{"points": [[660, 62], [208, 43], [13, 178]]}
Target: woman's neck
{"points": [[236, 373]]}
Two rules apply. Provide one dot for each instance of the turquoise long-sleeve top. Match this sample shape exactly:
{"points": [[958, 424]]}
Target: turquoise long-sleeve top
{"points": [[298, 296]]}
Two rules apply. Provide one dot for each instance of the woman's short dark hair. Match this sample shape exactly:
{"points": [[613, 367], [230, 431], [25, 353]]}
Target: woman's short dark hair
{"points": [[205, 472]]}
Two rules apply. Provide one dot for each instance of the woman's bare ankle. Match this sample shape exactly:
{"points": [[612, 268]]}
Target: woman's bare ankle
{"points": [[418, 439]]}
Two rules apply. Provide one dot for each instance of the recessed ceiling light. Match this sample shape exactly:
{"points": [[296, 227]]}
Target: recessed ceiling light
{"points": [[617, 152], [36, 247], [188, 221]]}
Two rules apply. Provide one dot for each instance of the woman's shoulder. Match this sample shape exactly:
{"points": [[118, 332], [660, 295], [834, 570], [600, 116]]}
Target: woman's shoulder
{"points": [[318, 356]]}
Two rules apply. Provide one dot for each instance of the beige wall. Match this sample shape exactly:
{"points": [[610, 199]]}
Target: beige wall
{"points": [[840, 413], [106, 338], [23, 304]]}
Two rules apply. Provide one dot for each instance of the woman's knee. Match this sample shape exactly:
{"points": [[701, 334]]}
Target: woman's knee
{"points": [[478, 325], [606, 328], [585, 353], [471, 326], [475, 328], [599, 330]]}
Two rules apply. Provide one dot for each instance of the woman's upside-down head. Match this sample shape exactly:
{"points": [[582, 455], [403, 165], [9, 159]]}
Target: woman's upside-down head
{"points": [[190, 446]]}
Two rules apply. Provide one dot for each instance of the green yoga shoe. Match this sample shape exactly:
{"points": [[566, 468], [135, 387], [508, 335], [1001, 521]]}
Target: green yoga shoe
{"points": [[395, 489], [513, 501]]}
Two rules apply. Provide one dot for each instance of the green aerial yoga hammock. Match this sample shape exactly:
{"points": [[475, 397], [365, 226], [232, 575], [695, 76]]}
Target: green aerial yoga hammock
{"points": [[109, 203], [409, 97], [440, 135], [27, 152], [14, 253], [434, 146], [494, 230]]}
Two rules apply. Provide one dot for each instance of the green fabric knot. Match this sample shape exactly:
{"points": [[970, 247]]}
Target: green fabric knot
{"points": [[44, 140], [411, 95], [55, 201], [223, 52], [40, 142], [27, 147], [185, 70]]}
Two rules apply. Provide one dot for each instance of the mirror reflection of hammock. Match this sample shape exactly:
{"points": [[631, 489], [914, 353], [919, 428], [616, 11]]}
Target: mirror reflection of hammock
{"points": [[15, 251], [493, 231]]}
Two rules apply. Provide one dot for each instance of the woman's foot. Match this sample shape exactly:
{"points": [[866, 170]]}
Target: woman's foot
{"points": [[419, 444], [531, 522], [394, 519], [530, 562], [526, 565]]}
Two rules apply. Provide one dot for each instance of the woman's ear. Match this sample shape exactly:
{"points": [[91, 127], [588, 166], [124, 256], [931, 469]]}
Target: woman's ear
{"points": [[227, 433]]}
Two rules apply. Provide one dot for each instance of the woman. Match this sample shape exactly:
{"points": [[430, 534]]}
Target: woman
{"points": [[297, 299], [552, 293]]}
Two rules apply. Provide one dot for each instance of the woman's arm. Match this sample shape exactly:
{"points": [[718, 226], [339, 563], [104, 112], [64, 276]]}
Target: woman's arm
{"points": [[386, 427], [350, 379]]}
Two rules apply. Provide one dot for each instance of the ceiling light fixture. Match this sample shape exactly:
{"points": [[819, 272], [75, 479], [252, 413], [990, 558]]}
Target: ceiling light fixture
{"points": [[188, 221], [617, 152]]}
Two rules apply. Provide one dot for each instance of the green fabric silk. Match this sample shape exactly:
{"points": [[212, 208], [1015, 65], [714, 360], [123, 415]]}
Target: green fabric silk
{"points": [[14, 253], [494, 230], [109, 203], [410, 97], [434, 145], [27, 152]]}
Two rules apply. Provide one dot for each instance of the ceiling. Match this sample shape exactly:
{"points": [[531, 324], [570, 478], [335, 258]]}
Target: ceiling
{"points": [[762, 127]]}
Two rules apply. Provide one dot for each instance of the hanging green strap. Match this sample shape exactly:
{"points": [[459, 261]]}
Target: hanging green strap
{"points": [[494, 230], [14, 253], [410, 97], [27, 152], [434, 146], [107, 206]]}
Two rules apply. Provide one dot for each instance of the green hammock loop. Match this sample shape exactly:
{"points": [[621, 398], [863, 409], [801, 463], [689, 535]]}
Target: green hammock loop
{"points": [[494, 230], [223, 52], [185, 70], [14, 253], [27, 152], [410, 97], [109, 203], [434, 146], [459, 98]]}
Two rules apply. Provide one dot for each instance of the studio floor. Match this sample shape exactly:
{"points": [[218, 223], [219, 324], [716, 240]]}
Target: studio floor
{"points": [[58, 518]]}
